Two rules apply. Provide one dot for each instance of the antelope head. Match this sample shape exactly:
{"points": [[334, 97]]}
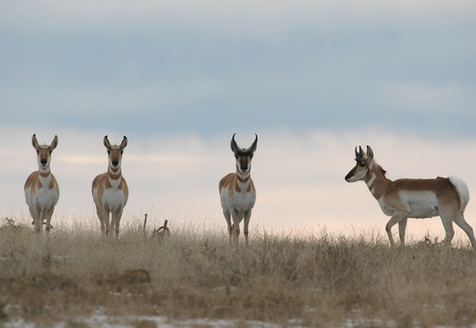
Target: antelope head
{"points": [[243, 156], [364, 162], [115, 152], [43, 152]]}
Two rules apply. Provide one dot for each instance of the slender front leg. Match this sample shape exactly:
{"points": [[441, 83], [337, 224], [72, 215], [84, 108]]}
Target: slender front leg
{"points": [[396, 218], [103, 218], [236, 225], [246, 223], [48, 215], [116, 219], [36, 215], [228, 222]]}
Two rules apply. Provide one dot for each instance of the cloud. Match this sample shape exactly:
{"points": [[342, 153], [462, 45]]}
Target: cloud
{"points": [[200, 66], [437, 99], [249, 13]]}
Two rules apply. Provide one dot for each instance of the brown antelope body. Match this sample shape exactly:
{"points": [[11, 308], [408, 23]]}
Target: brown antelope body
{"points": [[414, 198], [41, 188], [110, 192], [237, 191]]}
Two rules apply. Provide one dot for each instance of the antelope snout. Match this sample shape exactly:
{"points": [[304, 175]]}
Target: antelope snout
{"points": [[347, 177], [350, 175], [115, 162]]}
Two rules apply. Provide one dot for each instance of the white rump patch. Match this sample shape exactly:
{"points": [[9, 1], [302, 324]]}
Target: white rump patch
{"points": [[462, 190]]}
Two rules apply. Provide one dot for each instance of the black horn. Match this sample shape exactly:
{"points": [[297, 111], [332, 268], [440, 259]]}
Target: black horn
{"points": [[359, 154], [234, 145], [254, 145]]}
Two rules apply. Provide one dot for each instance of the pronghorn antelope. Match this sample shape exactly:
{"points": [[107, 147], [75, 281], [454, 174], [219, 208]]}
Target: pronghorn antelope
{"points": [[413, 198], [41, 188], [237, 191], [110, 190]]}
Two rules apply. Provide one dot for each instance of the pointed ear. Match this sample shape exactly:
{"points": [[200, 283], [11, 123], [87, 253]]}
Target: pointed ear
{"points": [[124, 142], [234, 145], [254, 145], [54, 143], [370, 152], [107, 144], [34, 142]]}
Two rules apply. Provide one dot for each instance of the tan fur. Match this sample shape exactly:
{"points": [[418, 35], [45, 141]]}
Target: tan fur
{"points": [[110, 191], [237, 191], [413, 198], [41, 199], [33, 182], [230, 182]]}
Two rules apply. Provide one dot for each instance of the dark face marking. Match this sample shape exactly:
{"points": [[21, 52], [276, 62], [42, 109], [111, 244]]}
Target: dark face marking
{"points": [[115, 152], [244, 162], [243, 156], [115, 155], [361, 163], [43, 152], [43, 155]]}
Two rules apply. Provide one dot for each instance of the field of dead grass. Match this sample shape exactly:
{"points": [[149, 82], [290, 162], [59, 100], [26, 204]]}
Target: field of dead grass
{"points": [[321, 280]]}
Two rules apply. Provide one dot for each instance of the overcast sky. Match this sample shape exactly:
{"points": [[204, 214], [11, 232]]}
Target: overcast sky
{"points": [[178, 78]]}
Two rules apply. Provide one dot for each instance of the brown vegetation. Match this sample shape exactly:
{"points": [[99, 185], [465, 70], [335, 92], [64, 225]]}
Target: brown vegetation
{"points": [[308, 281]]}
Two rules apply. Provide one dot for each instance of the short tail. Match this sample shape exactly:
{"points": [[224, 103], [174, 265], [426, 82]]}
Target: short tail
{"points": [[462, 190]]}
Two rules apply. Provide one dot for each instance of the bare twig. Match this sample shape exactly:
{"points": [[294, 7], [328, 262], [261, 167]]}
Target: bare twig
{"points": [[145, 223]]}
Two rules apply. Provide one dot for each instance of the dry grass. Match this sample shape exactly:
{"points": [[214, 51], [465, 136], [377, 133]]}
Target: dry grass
{"points": [[312, 281]]}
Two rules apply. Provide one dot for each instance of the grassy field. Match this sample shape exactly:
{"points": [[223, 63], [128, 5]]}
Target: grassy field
{"points": [[322, 280]]}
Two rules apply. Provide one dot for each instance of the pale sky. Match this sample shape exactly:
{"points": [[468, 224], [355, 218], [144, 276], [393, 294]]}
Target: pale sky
{"points": [[312, 78]]}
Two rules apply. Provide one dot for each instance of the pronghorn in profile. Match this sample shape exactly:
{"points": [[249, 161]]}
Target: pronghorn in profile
{"points": [[237, 191], [413, 198], [41, 188], [110, 190]]}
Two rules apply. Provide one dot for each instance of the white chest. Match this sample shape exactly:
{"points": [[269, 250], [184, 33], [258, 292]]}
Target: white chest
{"points": [[385, 208], [113, 199], [242, 201], [44, 197]]}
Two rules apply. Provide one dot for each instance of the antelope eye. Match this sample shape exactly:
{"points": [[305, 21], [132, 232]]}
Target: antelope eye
{"points": [[108, 151], [37, 151], [122, 152]]}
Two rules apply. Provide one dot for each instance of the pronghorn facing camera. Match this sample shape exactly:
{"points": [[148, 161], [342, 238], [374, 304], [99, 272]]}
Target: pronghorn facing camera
{"points": [[237, 191], [110, 190], [41, 188], [413, 198]]}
